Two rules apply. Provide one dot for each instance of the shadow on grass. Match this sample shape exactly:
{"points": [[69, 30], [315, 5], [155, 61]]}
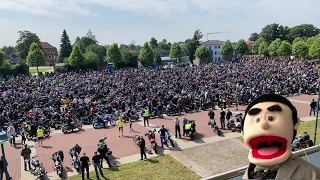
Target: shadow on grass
{"points": [[153, 161]]}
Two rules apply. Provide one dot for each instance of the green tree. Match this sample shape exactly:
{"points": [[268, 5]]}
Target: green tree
{"points": [[263, 48], [253, 36], [114, 55], [310, 41], [146, 56], [26, 38], [2, 54], [256, 44], [132, 46], [99, 50], [270, 32], [284, 49], [35, 56], [273, 47], [60, 58], [153, 43], [314, 51], [300, 49], [92, 60], [129, 59], [163, 45], [86, 41], [76, 58], [226, 49], [193, 44], [303, 30], [242, 47], [284, 33], [157, 58], [65, 45], [203, 53], [8, 49], [176, 52], [298, 39], [191, 47]]}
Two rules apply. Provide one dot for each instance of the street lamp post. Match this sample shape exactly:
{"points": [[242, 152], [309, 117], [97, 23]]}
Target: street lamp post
{"points": [[4, 138], [317, 117]]}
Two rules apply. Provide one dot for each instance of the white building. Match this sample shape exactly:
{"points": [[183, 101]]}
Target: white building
{"points": [[215, 47]]}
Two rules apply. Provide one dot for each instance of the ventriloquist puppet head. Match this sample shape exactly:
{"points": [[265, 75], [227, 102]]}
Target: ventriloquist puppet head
{"points": [[269, 126]]}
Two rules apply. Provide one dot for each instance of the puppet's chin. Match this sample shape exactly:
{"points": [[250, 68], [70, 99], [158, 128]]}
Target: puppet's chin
{"points": [[269, 150]]}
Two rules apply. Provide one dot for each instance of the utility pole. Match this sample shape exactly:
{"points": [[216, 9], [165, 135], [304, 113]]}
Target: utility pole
{"points": [[218, 33]]}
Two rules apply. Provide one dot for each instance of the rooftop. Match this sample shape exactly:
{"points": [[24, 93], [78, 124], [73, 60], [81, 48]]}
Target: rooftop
{"points": [[46, 45], [213, 42]]}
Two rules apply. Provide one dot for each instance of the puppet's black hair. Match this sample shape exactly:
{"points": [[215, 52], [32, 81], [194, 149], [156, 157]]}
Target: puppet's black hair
{"points": [[274, 98]]}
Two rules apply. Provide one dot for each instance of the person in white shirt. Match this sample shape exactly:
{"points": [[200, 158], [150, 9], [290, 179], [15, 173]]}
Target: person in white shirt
{"points": [[75, 100], [87, 100], [80, 101], [12, 132]]}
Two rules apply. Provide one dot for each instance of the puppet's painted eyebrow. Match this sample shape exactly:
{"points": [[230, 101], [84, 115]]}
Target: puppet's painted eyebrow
{"points": [[254, 111], [275, 108]]}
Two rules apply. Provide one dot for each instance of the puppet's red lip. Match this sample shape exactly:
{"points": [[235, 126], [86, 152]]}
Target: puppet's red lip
{"points": [[268, 147]]}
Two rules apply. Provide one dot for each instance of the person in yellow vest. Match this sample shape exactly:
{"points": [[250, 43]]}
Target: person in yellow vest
{"points": [[120, 124], [187, 127], [40, 136], [145, 116], [224, 103]]}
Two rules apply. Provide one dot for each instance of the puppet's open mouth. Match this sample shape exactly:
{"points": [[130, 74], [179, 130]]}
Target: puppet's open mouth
{"points": [[268, 147]]}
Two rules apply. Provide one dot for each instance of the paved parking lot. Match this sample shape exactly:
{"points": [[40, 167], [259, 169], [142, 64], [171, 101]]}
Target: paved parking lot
{"points": [[124, 146]]}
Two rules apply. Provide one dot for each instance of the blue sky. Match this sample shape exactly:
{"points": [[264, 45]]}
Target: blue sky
{"points": [[123, 21]]}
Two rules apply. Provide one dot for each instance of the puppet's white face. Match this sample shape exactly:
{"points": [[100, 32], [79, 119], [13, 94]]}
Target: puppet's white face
{"points": [[268, 131]]}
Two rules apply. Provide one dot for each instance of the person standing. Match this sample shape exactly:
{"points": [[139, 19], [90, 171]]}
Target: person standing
{"points": [[40, 135], [211, 115], [130, 125], [222, 119], [120, 124], [177, 127], [25, 153], [85, 161], [12, 132], [142, 146], [145, 116], [229, 114], [23, 133], [2, 161], [313, 107], [96, 159], [184, 122]]}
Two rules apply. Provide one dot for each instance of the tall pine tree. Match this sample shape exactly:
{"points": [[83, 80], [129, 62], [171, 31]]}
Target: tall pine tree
{"points": [[65, 46]]}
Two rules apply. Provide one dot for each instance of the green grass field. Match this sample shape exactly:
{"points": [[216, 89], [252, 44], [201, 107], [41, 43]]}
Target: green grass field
{"points": [[159, 168], [308, 127], [33, 71]]}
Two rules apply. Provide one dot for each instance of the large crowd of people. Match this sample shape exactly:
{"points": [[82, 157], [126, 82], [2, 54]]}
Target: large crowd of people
{"points": [[81, 94], [33, 101]]}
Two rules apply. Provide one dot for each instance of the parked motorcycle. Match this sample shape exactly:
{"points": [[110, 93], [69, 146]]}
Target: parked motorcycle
{"points": [[75, 160], [215, 128], [57, 159], [99, 123], [66, 128], [37, 168]]}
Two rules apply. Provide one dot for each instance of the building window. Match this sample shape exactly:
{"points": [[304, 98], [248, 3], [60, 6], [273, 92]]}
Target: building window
{"points": [[215, 58], [210, 47], [219, 47], [215, 52], [215, 47], [219, 58], [52, 51], [49, 57]]}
